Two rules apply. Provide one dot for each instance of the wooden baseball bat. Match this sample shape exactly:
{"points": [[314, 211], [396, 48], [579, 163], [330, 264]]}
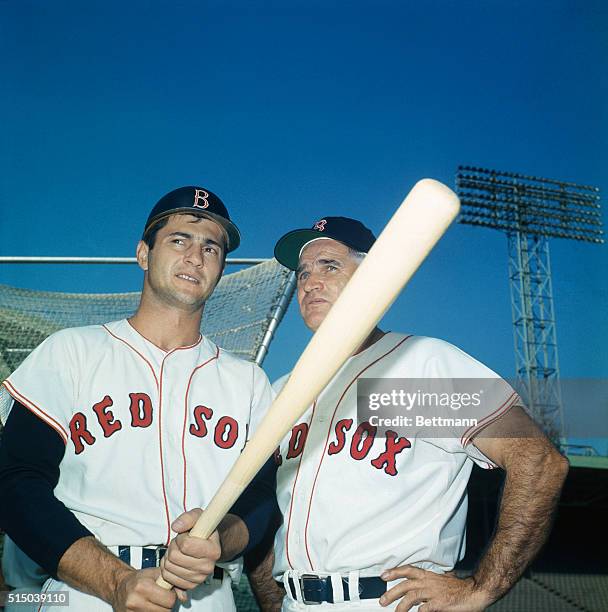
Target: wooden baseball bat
{"points": [[413, 231]]}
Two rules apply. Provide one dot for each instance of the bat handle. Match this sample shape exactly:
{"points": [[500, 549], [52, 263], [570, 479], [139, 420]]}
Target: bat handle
{"points": [[163, 584], [208, 521], [198, 531]]}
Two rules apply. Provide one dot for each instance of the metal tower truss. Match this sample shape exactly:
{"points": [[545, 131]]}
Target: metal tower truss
{"points": [[534, 334], [529, 210]]}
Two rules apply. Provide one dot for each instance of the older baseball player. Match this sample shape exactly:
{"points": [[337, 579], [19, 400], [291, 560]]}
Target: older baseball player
{"points": [[374, 520], [116, 430]]}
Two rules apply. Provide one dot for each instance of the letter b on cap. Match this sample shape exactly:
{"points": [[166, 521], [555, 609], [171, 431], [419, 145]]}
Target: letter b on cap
{"points": [[200, 199]]}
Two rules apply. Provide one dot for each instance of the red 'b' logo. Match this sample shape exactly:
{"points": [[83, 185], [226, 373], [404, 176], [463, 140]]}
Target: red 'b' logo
{"points": [[200, 199], [320, 225]]}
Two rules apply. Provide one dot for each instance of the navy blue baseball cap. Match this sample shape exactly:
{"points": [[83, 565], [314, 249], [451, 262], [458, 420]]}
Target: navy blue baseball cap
{"points": [[350, 232], [195, 201]]}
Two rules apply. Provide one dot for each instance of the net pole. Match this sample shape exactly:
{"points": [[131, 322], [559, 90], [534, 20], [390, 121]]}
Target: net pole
{"points": [[276, 317]]}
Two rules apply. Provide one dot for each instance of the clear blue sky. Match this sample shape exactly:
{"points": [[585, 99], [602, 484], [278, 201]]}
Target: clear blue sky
{"points": [[297, 109]]}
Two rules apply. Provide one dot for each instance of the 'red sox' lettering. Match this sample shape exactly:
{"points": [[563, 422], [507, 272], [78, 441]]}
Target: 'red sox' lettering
{"points": [[79, 432], [105, 417], [394, 446], [226, 432], [341, 428], [297, 440], [139, 412], [198, 428], [361, 443]]}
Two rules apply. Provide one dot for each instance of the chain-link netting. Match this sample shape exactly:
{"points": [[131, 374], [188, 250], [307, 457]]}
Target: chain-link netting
{"points": [[236, 316]]}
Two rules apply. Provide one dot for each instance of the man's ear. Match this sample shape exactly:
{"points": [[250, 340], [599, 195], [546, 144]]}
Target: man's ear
{"points": [[142, 255]]}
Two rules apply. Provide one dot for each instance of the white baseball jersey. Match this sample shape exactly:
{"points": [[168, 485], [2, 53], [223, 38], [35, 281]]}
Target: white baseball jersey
{"points": [[352, 500], [148, 433]]}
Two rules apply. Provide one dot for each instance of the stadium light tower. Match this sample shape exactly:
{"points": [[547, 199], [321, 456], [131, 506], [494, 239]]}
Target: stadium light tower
{"points": [[531, 210]]}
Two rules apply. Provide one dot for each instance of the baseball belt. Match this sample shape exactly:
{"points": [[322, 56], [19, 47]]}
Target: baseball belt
{"points": [[318, 589], [150, 557]]}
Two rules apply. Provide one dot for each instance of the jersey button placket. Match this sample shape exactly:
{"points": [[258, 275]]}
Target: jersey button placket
{"points": [[167, 450], [173, 400], [309, 461]]}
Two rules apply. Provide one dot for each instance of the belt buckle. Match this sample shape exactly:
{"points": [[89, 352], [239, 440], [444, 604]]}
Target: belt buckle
{"points": [[302, 579]]}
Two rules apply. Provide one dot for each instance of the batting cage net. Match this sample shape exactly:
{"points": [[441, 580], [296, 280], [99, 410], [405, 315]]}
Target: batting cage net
{"points": [[241, 315], [237, 316]]}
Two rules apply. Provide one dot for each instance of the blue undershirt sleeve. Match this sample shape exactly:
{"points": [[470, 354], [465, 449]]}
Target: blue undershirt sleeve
{"points": [[40, 525], [257, 507]]}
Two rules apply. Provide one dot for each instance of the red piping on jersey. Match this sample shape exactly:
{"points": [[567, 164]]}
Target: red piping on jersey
{"points": [[178, 348], [41, 414], [312, 491], [159, 386], [490, 418], [136, 351], [293, 489], [160, 446], [160, 434], [202, 365]]}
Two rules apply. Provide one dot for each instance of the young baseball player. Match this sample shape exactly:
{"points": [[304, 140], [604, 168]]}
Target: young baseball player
{"points": [[373, 520], [116, 430]]}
